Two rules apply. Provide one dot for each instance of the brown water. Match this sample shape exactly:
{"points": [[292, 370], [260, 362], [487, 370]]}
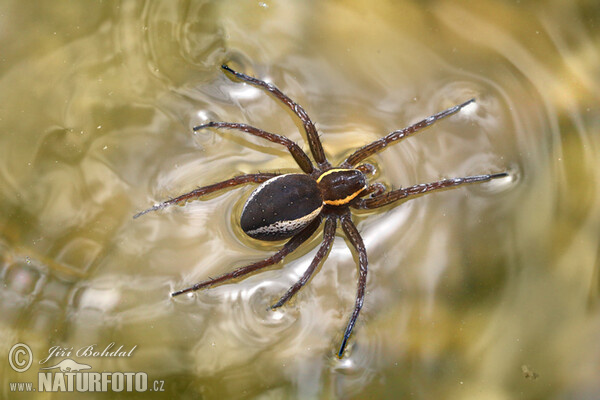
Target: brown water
{"points": [[485, 292]]}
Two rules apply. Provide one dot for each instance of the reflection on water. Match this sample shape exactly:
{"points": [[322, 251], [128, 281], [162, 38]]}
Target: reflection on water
{"points": [[466, 287]]}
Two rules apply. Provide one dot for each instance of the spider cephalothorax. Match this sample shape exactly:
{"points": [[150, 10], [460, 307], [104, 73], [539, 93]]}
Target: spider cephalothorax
{"points": [[292, 206]]}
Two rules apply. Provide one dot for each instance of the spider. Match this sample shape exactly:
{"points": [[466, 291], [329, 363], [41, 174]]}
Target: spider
{"points": [[292, 206]]}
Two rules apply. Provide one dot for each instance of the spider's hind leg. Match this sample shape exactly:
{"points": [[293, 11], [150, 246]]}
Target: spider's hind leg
{"points": [[289, 247], [194, 194], [328, 235]]}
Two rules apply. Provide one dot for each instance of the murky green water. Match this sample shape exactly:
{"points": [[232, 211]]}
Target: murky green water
{"points": [[485, 292]]}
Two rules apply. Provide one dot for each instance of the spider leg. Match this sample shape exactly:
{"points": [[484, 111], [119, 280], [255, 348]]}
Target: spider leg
{"points": [[328, 235], [416, 190], [299, 155], [357, 242], [378, 145], [366, 168], [194, 194], [309, 127], [374, 189], [289, 247]]}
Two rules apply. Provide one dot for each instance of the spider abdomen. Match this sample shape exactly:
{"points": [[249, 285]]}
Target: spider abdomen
{"points": [[281, 207], [340, 185]]}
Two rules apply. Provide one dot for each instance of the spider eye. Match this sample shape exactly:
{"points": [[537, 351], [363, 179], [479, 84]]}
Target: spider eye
{"points": [[340, 186]]}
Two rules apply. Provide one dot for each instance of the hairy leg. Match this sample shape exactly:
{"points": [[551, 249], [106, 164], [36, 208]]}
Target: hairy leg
{"points": [[357, 242], [366, 168], [417, 190], [289, 247], [378, 145], [311, 131], [194, 194], [298, 154], [374, 189], [328, 235]]}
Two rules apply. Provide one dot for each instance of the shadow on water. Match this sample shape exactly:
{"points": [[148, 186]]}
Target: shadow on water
{"points": [[489, 291]]}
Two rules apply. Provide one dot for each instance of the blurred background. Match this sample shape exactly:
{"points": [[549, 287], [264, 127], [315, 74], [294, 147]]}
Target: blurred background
{"points": [[483, 292]]}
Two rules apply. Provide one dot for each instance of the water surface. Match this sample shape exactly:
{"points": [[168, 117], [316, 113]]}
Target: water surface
{"points": [[487, 292]]}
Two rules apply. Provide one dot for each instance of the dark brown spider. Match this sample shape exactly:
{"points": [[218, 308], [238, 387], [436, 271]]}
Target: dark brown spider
{"points": [[294, 205]]}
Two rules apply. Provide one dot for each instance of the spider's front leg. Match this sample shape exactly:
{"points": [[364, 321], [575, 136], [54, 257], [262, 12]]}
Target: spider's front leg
{"points": [[374, 190], [417, 190], [378, 145], [194, 194]]}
